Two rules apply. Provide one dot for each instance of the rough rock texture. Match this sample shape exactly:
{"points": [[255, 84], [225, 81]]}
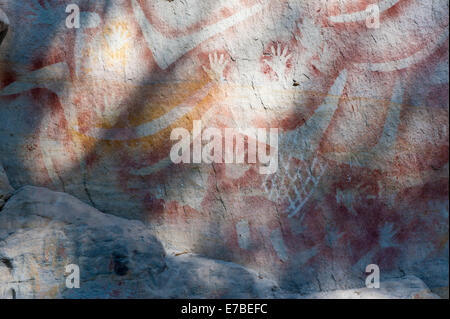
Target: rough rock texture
{"points": [[362, 114], [408, 287], [41, 232], [5, 188], [4, 23]]}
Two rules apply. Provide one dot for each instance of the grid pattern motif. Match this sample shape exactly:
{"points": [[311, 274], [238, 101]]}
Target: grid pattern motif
{"points": [[294, 183]]}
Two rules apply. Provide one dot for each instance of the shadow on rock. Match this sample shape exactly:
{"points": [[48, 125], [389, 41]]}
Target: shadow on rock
{"points": [[41, 232]]}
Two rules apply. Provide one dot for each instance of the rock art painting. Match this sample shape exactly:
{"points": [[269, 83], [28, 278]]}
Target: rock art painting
{"points": [[360, 111]]}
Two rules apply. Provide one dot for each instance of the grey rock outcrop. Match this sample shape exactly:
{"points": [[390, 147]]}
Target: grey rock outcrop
{"points": [[41, 232], [408, 287], [5, 187], [362, 143], [4, 24]]}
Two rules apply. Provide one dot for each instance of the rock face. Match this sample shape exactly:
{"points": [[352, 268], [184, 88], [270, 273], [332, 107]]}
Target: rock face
{"points": [[362, 119], [42, 232], [408, 287], [4, 23], [5, 188]]}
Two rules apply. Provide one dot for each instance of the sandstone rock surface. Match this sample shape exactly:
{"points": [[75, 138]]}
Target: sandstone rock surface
{"points": [[4, 23], [407, 287], [361, 110], [5, 187], [41, 232]]}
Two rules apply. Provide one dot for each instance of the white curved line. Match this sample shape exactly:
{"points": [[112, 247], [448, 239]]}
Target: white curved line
{"points": [[386, 143], [362, 15], [306, 139], [167, 51], [152, 127], [406, 62], [153, 168], [52, 77], [146, 129]]}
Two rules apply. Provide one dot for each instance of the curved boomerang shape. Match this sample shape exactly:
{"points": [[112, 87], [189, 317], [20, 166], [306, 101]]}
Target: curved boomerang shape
{"points": [[152, 127], [406, 62], [167, 51], [386, 143], [53, 78], [362, 15]]}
